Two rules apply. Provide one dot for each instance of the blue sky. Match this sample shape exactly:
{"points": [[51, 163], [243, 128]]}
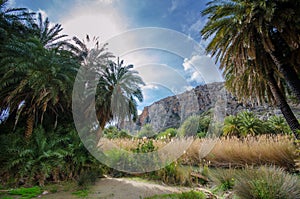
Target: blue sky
{"points": [[165, 72]]}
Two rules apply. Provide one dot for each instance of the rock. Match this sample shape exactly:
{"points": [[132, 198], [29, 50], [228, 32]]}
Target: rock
{"points": [[172, 111]]}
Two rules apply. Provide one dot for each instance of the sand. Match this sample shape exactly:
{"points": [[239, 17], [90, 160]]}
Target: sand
{"points": [[121, 188]]}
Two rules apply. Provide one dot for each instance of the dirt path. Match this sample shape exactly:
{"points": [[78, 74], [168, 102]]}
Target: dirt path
{"points": [[121, 188]]}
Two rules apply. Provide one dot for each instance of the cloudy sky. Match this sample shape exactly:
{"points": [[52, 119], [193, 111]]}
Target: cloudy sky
{"points": [[160, 37]]}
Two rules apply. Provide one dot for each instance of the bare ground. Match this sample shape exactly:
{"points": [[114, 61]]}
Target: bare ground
{"points": [[121, 188]]}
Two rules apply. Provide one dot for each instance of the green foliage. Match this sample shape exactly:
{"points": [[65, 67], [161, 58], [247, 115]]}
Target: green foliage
{"points": [[245, 123], [112, 132], [267, 183], [145, 147], [183, 195], [146, 131], [195, 125], [231, 126], [26, 193], [117, 92], [223, 178], [250, 124], [56, 155], [189, 126], [253, 41], [81, 193], [175, 173], [167, 134], [278, 125]]}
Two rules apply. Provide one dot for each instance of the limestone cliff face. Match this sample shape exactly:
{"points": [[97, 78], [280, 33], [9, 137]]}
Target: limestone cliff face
{"points": [[173, 110]]}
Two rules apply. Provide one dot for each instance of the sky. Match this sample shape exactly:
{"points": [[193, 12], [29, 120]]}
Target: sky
{"points": [[161, 38]]}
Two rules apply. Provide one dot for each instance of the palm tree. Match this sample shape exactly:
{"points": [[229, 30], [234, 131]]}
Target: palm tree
{"points": [[118, 88], [250, 124], [244, 53], [50, 37], [278, 125], [231, 126], [37, 80]]}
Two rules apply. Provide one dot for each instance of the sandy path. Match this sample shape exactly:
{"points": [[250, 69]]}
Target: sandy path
{"points": [[121, 188]]}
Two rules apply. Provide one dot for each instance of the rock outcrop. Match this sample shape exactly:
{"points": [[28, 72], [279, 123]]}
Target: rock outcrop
{"points": [[173, 110]]}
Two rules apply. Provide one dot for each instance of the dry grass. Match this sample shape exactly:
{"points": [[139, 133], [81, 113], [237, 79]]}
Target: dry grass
{"points": [[231, 152], [263, 150]]}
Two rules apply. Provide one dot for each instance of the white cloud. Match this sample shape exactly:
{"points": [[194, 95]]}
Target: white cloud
{"points": [[174, 5], [150, 87], [11, 3], [202, 68], [99, 18], [197, 26], [44, 13]]}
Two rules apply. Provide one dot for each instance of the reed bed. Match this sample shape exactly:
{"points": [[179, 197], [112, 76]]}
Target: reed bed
{"points": [[231, 152]]}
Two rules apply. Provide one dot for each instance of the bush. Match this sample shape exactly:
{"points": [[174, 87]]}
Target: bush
{"points": [[167, 134], [278, 125], [146, 131], [145, 147], [54, 155], [175, 173], [223, 178], [243, 124], [266, 183], [112, 132], [231, 126], [195, 125], [184, 195]]}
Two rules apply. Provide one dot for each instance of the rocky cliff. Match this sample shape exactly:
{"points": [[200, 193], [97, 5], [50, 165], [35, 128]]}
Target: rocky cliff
{"points": [[173, 110]]}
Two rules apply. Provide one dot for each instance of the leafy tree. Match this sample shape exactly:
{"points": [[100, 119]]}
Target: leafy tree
{"points": [[242, 42], [50, 37], [146, 131], [117, 90], [37, 80]]}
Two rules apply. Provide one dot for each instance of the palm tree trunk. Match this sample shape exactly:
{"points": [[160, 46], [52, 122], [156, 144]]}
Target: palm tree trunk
{"points": [[289, 74], [283, 106]]}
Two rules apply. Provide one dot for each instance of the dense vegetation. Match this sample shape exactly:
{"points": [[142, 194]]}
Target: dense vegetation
{"points": [[258, 46]]}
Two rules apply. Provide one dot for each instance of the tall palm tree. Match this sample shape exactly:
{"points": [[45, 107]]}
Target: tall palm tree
{"points": [[240, 42], [50, 37], [13, 21], [37, 80], [118, 88]]}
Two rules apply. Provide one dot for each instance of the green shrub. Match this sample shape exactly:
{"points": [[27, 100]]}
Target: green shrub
{"points": [[278, 125], [112, 132], [189, 126], [184, 195], [195, 125], [145, 147], [175, 173], [146, 131], [267, 183], [243, 124], [54, 155], [223, 178], [167, 134], [231, 126]]}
